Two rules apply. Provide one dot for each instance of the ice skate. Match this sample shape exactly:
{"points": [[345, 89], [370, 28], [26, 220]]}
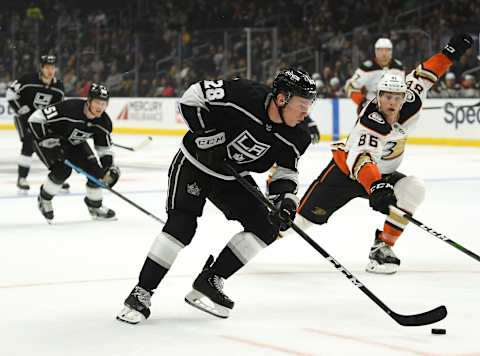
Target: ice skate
{"points": [[98, 211], [207, 293], [382, 257], [46, 208], [23, 186], [137, 306]]}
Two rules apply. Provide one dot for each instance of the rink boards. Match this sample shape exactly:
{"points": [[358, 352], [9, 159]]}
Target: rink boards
{"points": [[452, 124]]}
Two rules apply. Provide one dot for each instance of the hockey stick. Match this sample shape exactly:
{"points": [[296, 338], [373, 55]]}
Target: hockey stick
{"points": [[459, 106], [134, 148], [438, 235], [426, 318], [102, 184]]}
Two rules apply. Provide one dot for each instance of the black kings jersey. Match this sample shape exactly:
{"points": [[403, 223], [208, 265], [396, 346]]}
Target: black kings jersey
{"points": [[68, 121], [254, 142], [30, 92]]}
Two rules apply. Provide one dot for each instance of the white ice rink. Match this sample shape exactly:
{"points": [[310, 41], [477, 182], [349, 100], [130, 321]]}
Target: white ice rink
{"points": [[61, 285]]}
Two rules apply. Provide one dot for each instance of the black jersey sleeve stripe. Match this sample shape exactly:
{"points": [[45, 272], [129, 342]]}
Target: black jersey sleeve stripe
{"points": [[37, 122], [194, 110], [12, 97]]}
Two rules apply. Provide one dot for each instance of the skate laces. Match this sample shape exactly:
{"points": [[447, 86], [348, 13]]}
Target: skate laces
{"points": [[142, 295], [383, 248], [46, 205], [218, 283], [103, 209]]}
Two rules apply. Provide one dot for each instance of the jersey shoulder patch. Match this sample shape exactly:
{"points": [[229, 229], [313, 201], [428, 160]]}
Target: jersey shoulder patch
{"points": [[374, 120], [412, 105]]}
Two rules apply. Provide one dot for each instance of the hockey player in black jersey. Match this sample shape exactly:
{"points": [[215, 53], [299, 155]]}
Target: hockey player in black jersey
{"points": [[31, 92], [61, 132], [251, 127]]}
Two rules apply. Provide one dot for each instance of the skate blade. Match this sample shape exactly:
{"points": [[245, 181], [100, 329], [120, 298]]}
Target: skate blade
{"points": [[386, 268], [130, 316], [203, 303], [23, 192], [99, 218]]}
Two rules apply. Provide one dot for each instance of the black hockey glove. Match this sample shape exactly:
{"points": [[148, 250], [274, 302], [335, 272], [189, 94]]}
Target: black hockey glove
{"points": [[382, 196], [111, 176], [457, 46], [211, 149], [314, 133], [51, 147], [286, 209]]}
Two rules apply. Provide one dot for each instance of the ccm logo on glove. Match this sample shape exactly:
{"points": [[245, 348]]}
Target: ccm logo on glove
{"points": [[206, 142]]}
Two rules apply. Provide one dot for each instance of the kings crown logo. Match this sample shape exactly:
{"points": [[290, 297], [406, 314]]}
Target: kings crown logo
{"points": [[193, 189]]}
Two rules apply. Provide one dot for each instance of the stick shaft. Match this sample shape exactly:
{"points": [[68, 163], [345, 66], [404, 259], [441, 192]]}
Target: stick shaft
{"points": [[432, 232], [102, 184]]}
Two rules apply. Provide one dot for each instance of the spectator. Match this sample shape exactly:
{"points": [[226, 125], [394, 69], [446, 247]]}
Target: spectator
{"points": [[447, 88], [469, 88]]}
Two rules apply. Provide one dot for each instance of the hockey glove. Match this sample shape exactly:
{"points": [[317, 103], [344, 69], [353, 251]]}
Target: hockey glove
{"points": [[51, 148], [457, 46], [284, 214], [382, 196], [211, 149], [111, 176], [314, 133]]}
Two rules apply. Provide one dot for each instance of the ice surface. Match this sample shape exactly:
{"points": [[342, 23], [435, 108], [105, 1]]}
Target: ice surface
{"points": [[61, 285]]}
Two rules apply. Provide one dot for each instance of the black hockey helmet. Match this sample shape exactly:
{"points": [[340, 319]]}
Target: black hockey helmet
{"points": [[48, 59], [292, 82], [98, 91]]}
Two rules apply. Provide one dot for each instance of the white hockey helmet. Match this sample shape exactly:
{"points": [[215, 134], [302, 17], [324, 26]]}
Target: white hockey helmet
{"points": [[383, 43], [391, 83]]}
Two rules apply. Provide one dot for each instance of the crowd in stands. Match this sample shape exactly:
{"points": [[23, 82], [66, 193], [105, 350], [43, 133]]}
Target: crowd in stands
{"points": [[157, 48]]}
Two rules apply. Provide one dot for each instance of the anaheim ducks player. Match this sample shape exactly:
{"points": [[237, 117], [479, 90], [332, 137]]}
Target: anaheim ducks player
{"points": [[366, 164], [362, 86]]}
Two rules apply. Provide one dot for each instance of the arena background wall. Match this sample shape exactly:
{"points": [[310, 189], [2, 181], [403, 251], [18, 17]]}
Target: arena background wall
{"points": [[450, 125]]}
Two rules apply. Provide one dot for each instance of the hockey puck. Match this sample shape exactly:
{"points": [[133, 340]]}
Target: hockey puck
{"points": [[439, 331]]}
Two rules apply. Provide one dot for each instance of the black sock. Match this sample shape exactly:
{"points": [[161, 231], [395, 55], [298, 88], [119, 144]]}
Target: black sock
{"points": [[23, 171], [151, 275], [227, 263]]}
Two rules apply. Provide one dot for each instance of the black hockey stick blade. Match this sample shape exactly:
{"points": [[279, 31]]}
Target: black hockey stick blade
{"points": [[426, 318], [429, 317]]}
